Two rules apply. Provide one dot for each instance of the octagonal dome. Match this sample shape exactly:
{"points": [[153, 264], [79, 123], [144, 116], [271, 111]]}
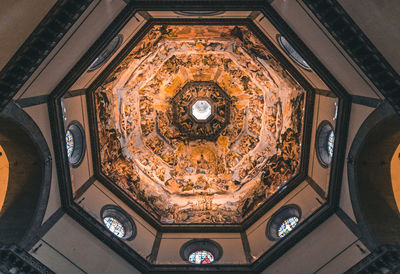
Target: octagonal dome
{"points": [[256, 124]]}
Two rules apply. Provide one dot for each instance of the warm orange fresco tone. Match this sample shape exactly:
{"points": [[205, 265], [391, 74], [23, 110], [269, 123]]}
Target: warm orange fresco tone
{"points": [[184, 170]]}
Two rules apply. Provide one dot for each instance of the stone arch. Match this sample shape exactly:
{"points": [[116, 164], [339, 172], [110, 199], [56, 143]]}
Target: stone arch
{"points": [[29, 179], [369, 177]]}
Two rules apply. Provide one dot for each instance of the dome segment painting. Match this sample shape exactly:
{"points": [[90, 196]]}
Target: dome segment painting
{"points": [[201, 110], [199, 124]]}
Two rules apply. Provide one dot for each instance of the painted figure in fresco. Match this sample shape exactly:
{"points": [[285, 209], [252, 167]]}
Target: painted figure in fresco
{"points": [[143, 133], [202, 165]]}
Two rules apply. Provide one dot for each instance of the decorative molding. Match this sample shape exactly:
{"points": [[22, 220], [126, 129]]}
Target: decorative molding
{"points": [[316, 188], [152, 258], [348, 222], [246, 247], [200, 5], [32, 101], [145, 15], [253, 15], [73, 93], [38, 46], [366, 101], [326, 93], [84, 187], [357, 45]]}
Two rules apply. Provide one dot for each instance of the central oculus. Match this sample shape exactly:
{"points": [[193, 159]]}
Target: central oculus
{"points": [[201, 110]]}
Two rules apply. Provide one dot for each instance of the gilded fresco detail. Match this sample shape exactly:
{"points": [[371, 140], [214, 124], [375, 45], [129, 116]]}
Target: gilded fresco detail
{"points": [[185, 120], [185, 170]]}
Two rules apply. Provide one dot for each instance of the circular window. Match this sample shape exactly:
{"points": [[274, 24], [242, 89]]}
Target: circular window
{"points": [[199, 13], [324, 143], [75, 143], [283, 222], [292, 53], [106, 53], [201, 251], [118, 222]]}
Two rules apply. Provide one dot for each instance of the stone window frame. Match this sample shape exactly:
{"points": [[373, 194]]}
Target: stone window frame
{"points": [[121, 216], [79, 137], [198, 245], [276, 220]]}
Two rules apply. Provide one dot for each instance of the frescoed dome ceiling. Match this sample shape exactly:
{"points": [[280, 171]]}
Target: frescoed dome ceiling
{"points": [[200, 124]]}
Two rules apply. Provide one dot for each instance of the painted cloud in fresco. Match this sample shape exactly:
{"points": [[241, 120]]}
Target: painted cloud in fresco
{"points": [[182, 180]]}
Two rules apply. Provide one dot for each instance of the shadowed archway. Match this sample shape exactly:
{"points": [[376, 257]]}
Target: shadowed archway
{"points": [[29, 176], [370, 181]]}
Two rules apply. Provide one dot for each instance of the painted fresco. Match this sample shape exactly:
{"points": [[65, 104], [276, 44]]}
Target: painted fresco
{"points": [[145, 150]]}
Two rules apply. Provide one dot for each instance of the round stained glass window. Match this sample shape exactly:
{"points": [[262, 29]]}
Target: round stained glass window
{"points": [[118, 222], [201, 257], [114, 226], [324, 143], [287, 226], [75, 143], [69, 139], [292, 53], [282, 222], [201, 251]]}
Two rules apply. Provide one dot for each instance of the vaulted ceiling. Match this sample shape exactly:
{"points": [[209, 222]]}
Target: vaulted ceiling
{"points": [[203, 124], [199, 123], [215, 170]]}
